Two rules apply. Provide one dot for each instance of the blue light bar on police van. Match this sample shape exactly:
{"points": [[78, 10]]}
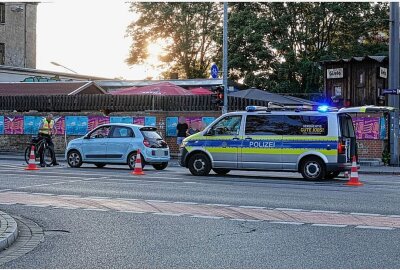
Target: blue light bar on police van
{"points": [[256, 108], [323, 108]]}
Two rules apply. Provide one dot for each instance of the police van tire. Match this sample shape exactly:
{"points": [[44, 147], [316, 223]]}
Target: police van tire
{"points": [[221, 171], [313, 168], [331, 175], [199, 165]]}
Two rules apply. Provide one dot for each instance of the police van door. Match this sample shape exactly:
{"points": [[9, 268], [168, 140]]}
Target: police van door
{"points": [[261, 142], [223, 141]]}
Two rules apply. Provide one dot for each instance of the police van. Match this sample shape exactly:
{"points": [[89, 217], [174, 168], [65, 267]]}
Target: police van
{"points": [[317, 143]]}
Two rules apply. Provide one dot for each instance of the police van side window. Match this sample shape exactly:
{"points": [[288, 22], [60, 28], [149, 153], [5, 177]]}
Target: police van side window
{"points": [[264, 125], [306, 125], [229, 125]]}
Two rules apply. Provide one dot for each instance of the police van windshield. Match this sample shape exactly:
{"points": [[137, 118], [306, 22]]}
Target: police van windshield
{"points": [[229, 125], [346, 126]]}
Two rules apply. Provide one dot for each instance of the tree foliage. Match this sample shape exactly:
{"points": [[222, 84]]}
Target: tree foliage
{"points": [[272, 45], [297, 35], [190, 31]]}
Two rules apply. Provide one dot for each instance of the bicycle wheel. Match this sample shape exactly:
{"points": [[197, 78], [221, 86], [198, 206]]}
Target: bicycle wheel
{"points": [[48, 156], [27, 154]]}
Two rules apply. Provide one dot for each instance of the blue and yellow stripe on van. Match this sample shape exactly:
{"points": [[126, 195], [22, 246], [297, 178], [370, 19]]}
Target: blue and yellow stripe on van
{"points": [[265, 145]]}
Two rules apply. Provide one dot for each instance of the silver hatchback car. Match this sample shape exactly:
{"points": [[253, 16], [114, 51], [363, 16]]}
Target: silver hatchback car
{"points": [[118, 144]]}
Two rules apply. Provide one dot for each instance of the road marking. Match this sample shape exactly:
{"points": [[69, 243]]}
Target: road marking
{"points": [[290, 209], [323, 211], [329, 225], [208, 217], [374, 227], [193, 203], [287, 222], [365, 214], [252, 207]]}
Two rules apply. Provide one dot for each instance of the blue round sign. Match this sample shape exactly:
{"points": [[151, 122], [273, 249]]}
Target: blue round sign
{"points": [[214, 71]]}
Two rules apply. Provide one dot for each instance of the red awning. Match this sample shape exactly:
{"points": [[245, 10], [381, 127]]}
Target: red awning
{"points": [[159, 89], [200, 91]]}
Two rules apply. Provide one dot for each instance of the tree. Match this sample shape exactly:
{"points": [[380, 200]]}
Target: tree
{"points": [[188, 30], [295, 36]]}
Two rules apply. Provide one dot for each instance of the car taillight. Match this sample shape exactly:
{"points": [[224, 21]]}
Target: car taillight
{"points": [[146, 143], [341, 147]]}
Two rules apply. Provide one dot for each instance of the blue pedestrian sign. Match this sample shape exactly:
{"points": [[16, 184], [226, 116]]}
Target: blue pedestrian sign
{"points": [[214, 71]]}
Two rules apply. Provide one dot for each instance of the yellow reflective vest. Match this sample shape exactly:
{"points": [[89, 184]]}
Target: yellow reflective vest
{"points": [[47, 127]]}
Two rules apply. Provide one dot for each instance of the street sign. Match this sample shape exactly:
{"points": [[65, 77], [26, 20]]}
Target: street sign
{"points": [[214, 71], [391, 91]]}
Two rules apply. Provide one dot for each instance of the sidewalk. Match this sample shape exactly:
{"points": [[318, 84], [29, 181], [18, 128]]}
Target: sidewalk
{"points": [[364, 169]]}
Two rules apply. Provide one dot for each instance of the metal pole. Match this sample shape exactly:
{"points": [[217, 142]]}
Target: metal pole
{"points": [[394, 67], [225, 58]]}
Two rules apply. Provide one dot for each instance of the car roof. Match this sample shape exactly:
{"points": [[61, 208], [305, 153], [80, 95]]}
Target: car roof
{"points": [[124, 125]]}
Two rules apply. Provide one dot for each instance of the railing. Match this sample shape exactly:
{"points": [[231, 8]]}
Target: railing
{"points": [[65, 103]]}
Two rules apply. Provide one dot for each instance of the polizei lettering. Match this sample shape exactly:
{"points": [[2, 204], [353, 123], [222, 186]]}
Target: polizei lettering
{"points": [[262, 144]]}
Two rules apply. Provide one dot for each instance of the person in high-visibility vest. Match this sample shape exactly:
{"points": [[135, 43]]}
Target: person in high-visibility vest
{"points": [[46, 129]]}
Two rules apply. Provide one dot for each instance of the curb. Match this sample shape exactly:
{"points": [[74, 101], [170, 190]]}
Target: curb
{"points": [[8, 230]]}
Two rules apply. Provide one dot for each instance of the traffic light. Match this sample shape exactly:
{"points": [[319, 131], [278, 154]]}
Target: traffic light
{"points": [[217, 96]]}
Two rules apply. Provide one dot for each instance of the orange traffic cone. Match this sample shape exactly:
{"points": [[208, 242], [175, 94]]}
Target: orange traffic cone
{"points": [[354, 180], [31, 163], [138, 164]]}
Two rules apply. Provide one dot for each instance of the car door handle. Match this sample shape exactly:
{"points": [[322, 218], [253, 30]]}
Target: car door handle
{"points": [[248, 138], [235, 139]]}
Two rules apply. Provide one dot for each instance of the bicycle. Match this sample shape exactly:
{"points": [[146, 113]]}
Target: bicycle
{"points": [[41, 146]]}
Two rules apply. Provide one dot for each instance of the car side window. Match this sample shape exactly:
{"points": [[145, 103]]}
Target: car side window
{"points": [[101, 132], [122, 132], [264, 125], [229, 125]]}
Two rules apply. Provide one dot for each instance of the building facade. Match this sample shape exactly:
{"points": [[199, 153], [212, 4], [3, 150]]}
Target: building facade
{"points": [[18, 34]]}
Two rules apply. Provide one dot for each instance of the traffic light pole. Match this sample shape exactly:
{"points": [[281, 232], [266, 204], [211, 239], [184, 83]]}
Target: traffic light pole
{"points": [[225, 58], [394, 73]]}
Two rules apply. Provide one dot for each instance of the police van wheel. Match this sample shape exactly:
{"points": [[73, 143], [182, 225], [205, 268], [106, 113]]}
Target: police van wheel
{"points": [[221, 171], [199, 165], [313, 169]]}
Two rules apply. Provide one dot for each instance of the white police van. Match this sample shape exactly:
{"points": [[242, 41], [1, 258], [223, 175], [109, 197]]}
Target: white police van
{"points": [[317, 143]]}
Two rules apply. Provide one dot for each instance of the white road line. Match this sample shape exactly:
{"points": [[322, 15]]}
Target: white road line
{"points": [[365, 214], [287, 222], [219, 204], [322, 211], [395, 216], [329, 225], [95, 209], [167, 214], [252, 207], [132, 212], [374, 227], [1, 190], [208, 217], [237, 219], [290, 209], [156, 201], [193, 203], [190, 182]]}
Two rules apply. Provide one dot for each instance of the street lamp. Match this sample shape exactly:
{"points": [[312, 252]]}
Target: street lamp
{"points": [[59, 65]]}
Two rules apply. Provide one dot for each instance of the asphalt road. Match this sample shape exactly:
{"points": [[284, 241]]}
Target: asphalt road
{"points": [[108, 218]]}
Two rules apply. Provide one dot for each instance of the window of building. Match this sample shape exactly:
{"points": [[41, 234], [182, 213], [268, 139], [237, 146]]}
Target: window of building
{"points": [[2, 54], [2, 13]]}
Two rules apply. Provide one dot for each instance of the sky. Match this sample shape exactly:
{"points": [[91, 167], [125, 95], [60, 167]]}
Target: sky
{"points": [[88, 37]]}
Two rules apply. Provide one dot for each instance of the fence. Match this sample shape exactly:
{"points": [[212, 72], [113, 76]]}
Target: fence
{"points": [[119, 103]]}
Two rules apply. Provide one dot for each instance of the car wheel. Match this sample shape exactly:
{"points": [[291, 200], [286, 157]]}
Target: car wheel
{"points": [[160, 166], [100, 165], [331, 175], [221, 171], [199, 165], [74, 159], [132, 161], [313, 168]]}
